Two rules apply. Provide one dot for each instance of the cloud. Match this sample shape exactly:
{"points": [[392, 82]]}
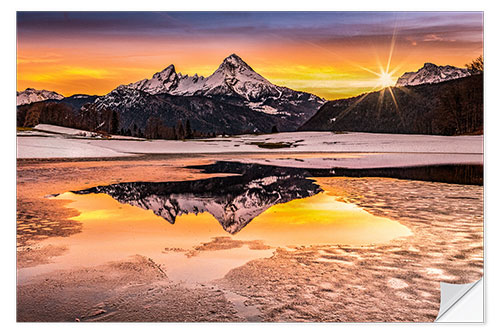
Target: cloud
{"points": [[432, 38], [315, 26], [321, 52]]}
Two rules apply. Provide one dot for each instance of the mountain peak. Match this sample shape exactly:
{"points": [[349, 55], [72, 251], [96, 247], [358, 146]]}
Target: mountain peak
{"points": [[233, 78], [30, 95], [431, 73], [234, 61], [166, 73], [233, 57], [430, 65], [169, 68]]}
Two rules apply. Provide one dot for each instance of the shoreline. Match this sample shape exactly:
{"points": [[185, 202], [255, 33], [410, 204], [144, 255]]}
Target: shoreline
{"points": [[313, 283]]}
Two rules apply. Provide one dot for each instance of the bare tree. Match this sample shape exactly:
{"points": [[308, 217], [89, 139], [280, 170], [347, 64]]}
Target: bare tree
{"points": [[476, 66]]}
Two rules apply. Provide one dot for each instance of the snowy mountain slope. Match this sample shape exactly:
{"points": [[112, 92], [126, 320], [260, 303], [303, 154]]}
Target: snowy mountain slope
{"points": [[234, 77], [431, 73], [234, 82], [31, 95]]}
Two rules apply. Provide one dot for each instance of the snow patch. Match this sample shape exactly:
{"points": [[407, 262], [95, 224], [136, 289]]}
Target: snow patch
{"points": [[340, 150]]}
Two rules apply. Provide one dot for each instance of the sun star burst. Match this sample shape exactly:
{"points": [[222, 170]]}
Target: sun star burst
{"points": [[385, 79]]}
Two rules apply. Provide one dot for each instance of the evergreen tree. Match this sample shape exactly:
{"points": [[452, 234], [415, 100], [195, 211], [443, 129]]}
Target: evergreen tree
{"points": [[189, 133], [115, 122], [180, 131]]}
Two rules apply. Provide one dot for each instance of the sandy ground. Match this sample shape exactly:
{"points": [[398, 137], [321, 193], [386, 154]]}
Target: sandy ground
{"points": [[393, 281], [131, 290]]}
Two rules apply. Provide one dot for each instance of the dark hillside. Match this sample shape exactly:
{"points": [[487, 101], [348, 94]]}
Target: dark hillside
{"points": [[448, 108]]}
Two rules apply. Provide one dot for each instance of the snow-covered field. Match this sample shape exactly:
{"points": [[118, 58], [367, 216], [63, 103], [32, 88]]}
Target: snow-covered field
{"points": [[45, 130], [340, 150]]}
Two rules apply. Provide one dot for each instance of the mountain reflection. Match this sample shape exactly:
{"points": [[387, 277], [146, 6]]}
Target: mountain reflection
{"points": [[236, 200], [233, 200]]}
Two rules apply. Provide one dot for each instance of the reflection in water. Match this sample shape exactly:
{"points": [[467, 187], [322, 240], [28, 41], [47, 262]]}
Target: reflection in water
{"points": [[321, 219], [112, 231], [196, 248], [234, 201], [285, 208]]}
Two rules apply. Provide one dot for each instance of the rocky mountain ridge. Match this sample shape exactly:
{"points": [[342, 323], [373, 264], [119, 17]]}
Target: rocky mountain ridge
{"points": [[431, 73], [31, 95]]}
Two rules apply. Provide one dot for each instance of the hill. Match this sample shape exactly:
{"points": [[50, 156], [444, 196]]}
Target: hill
{"points": [[447, 108]]}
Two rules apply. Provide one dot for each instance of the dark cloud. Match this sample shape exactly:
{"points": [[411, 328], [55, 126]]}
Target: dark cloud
{"points": [[318, 27], [95, 22]]}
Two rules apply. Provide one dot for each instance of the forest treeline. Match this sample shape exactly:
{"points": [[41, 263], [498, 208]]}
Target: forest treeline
{"points": [[105, 121]]}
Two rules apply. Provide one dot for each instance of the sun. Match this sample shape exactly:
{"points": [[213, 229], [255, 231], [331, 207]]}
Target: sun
{"points": [[385, 79], [384, 82]]}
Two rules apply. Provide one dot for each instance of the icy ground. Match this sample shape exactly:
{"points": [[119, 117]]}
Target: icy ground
{"points": [[308, 149]]}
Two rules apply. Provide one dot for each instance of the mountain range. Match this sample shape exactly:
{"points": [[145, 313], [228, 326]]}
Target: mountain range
{"points": [[233, 78], [234, 100]]}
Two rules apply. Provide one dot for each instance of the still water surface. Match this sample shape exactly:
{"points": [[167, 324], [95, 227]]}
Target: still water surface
{"points": [[203, 241]]}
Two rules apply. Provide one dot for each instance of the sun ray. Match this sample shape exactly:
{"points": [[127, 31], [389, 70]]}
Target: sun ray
{"points": [[366, 69], [385, 76], [381, 69], [380, 101], [410, 92], [350, 107], [341, 57], [393, 43], [398, 111], [385, 81]]}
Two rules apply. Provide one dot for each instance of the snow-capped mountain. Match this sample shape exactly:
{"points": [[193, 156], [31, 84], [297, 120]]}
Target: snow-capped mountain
{"points": [[234, 201], [234, 77], [431, 73], [235, 83], [31, 95]]}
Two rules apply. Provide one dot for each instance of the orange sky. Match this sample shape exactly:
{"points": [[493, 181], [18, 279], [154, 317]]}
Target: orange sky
{"points": [[94, 53]]}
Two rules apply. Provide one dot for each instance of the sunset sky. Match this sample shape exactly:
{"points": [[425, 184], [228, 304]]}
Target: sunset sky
{"points": [[331, 54]]}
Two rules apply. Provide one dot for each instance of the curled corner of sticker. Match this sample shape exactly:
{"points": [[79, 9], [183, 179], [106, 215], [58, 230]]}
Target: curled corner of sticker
{"points": [[455, 296]]}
